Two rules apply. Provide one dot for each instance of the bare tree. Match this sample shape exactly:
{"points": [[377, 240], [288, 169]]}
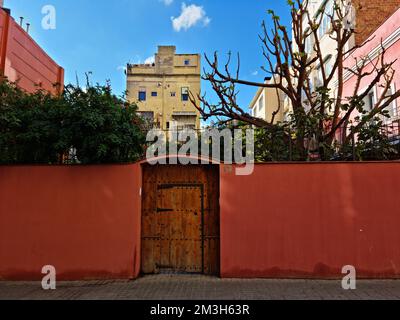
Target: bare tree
{"points": [[290, 66]]}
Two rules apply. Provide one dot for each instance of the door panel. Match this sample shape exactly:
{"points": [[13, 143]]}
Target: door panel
{"points": [[180, 219], [179, 208]]}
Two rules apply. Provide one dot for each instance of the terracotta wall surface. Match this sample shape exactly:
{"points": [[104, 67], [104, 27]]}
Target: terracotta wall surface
{"points": [[310, 220], [284, 220], [22, 60], [83, 220]]}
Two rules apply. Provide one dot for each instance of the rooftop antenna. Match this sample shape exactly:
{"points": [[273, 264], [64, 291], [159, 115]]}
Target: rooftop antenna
{"points": [[77, 79]]}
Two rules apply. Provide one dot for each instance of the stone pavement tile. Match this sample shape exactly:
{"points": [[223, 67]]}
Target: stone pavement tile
{"points": [[183, 287]]}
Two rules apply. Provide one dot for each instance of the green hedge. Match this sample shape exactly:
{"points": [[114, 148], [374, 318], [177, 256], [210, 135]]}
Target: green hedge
{"points": [[43, 129]]}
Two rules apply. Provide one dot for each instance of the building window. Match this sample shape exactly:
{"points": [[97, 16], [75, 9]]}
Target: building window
{"points": [[369, 101], [187, 62], [392, 108], [328, 66], [261, 103], [154, 94], [168, 126], [326, 20], [318, 78], [173, 94], [142, 95], [318, 81], [309, 44], [185, 94]]}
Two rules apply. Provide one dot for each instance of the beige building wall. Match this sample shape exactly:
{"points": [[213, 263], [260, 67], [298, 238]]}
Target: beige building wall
{"points": [[265, 102], [161, 89]]}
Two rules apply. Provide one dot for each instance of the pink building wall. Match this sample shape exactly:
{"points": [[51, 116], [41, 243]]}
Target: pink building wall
{"points": [[389, 34]]}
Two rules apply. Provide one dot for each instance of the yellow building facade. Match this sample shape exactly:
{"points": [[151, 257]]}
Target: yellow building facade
{"points": [[161, 89]]}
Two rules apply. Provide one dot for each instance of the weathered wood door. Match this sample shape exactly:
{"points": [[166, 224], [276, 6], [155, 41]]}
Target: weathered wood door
{"points": [[180, 219]]}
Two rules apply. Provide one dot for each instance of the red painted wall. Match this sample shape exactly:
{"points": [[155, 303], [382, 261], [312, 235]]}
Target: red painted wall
{"points": [[309, 220], [284, 220], [83, 220], [23, 60]]}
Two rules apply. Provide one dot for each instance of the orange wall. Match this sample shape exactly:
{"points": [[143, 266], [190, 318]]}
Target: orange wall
{"points": [[284, 220], [83, 220], [309, 220], [22, 59]]}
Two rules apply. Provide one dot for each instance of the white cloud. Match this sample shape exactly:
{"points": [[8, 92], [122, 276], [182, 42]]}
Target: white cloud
{"points": [[190, 16], [255, 73], [149, 60], [167, 2]]}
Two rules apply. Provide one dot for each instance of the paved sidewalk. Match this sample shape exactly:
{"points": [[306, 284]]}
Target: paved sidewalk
{"points": [[177, 287]]}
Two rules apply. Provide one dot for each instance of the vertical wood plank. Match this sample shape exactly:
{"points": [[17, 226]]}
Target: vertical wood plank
{"points": [[173, 239]]}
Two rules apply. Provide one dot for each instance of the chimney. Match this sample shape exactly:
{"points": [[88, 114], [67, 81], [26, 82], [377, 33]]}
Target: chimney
{"points": [[166, 50], [165, 59]]}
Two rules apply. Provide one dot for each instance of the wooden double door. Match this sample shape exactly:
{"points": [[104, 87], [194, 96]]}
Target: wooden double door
{"points": [[180, 219]]}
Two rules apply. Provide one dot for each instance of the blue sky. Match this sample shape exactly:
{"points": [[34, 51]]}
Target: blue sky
{"points": [[102, 36]]}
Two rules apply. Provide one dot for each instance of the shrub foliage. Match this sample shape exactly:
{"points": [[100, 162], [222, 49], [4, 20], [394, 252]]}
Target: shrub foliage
{"points": [[87, 126]]}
